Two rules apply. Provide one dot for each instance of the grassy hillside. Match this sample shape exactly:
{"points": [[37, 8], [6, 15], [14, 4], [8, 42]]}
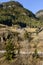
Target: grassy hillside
{"points": [[20, 41], [12, 13]]}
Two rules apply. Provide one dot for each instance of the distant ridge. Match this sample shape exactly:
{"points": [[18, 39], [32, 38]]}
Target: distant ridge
{"points": [[39, 14]]}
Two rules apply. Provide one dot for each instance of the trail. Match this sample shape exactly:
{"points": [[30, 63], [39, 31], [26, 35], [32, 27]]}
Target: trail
{"points": [[23, 52]]}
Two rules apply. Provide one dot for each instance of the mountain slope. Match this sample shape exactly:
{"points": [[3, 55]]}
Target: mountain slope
{"points": [[39, 14], [12, 13]]}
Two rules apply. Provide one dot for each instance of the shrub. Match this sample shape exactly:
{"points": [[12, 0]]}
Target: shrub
{"points": [[9, 50], [35, 54]]}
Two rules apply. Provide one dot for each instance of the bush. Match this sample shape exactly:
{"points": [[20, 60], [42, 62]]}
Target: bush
{"points": [[35, 54], [9, 50]]}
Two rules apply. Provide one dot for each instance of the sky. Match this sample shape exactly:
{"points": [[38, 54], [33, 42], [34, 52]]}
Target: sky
{"points": [[32, 5]]}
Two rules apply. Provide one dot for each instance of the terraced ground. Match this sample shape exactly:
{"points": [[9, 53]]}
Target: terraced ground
{"points": [[24, 58]]}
